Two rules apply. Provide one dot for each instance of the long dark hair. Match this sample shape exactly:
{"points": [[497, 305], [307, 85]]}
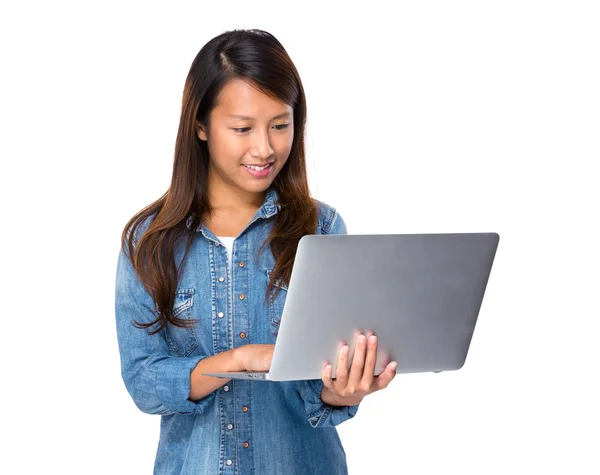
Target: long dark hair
{"points": [[257, 57]]}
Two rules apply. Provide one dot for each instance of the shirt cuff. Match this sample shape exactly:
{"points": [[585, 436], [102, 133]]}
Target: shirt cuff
{"points": [[173, 385], [319, 413]]}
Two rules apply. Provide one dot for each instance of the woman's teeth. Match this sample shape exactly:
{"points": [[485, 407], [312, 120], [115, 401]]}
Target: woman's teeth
{"points": [[257, 168]]}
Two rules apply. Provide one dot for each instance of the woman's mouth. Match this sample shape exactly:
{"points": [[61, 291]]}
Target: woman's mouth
{"points": [[259, 171]]}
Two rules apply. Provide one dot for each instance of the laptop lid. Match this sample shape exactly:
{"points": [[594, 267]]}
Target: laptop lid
{"points": [[419, 293]]}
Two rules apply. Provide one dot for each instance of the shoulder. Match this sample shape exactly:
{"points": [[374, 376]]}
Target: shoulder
{"points": [[139, 227], [330, 220]]}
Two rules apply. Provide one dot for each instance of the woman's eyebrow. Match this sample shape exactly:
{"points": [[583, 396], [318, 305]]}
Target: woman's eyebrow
{"points": [[246, 117]]}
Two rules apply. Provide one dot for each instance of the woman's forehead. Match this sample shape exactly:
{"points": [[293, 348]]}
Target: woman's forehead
{"points": [[240, 100]]}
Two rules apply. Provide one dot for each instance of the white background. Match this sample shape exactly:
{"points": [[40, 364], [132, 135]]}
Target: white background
{"points": [[422, 117]]}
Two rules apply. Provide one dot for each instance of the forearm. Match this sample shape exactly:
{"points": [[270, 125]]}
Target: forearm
{"points": [[201, 385]]}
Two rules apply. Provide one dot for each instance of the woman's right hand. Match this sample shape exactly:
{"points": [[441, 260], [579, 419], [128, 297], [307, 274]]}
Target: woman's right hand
{"points": [[254, 357]]}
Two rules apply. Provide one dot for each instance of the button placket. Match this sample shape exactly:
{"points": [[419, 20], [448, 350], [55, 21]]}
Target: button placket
{"points": [[222, 289], [246, 444], [220, 279], [237, 286]]}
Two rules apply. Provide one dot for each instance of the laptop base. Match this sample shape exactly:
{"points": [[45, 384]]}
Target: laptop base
{"points": [[258, 376]]}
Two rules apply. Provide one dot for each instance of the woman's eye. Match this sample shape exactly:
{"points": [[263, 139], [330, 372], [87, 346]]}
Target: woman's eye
{"points": [[241, 130]]}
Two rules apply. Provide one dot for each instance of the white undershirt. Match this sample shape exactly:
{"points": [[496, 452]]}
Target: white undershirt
{"points": [[228, 243]]}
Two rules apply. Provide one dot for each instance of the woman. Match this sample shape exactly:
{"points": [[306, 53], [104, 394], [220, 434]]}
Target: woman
{"points": [[202, 278]]}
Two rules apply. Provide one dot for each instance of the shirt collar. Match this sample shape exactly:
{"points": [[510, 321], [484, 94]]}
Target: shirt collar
{"points": [[269, 208]]}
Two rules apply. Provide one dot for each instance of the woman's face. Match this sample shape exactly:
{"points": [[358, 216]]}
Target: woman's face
{"points": [[262, 137]]}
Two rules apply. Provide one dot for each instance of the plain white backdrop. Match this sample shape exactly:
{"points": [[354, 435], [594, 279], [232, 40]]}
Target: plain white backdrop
{"points": [[422, 117]]}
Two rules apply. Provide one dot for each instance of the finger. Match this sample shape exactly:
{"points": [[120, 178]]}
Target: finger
{"points": [[341, 369], [328, 382], [370, 362], [358, 361], [386, 377]]}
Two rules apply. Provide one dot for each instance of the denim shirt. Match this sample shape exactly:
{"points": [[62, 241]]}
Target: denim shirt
{"points": [[243, 427]]}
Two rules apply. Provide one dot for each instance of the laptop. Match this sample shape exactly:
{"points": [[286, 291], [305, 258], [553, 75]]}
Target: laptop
{"points": [[419, 293]]}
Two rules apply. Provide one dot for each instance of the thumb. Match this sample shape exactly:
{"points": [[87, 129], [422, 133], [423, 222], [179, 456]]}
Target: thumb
{"points": [[386, 377]]}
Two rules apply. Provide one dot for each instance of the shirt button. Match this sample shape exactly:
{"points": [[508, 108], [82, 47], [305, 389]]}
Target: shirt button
{"points": [[242, 296], [229, 462], [241, 264], [221, 279], [245, 408], [230, 426], [217, 244], [246, 444], [242, 335], [221, 314], [225, 388]]}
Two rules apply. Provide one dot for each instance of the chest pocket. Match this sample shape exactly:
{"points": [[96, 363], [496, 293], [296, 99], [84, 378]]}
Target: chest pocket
{"points": [[276, 302], [182, 341]]}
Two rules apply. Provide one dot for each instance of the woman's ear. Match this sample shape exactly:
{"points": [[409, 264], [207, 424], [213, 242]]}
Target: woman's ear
{"points": [[201, 131]]}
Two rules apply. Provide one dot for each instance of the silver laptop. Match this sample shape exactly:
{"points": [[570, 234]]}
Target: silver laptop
{"points": [[419, 293]]}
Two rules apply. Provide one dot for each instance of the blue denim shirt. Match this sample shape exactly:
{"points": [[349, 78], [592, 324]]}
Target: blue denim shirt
{"points": [[243, 427]]}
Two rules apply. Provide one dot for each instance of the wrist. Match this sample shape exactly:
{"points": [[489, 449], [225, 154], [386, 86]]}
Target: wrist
{"points": [[329, 398]]}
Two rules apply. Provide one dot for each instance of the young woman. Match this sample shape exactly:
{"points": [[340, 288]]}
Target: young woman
{"points": [[202, 277]]}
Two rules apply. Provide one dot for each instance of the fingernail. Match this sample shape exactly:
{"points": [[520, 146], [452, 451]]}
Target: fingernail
{"points": [[373, 338]]}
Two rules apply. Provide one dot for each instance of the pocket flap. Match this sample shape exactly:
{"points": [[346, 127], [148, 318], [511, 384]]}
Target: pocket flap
{"points": [[184, 299]]}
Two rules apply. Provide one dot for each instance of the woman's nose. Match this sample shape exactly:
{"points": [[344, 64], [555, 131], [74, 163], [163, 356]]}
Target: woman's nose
{"points": [[262, 145]]}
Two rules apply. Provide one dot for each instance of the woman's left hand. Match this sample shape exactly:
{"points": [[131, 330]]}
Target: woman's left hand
{"points": [[349, 388]]}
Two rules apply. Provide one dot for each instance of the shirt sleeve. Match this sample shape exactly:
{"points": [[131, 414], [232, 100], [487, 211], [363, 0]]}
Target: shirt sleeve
{"points": [[337, 225], [158, 381], [319, 413]]}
